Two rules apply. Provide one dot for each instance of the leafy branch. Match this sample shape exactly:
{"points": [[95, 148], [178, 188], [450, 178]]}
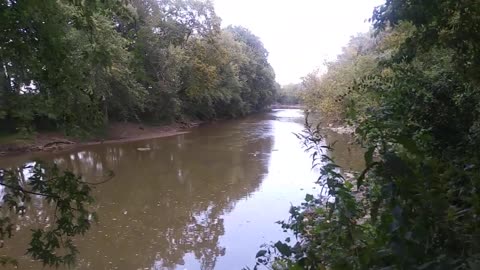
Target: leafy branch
{"points": [[70, 199]]}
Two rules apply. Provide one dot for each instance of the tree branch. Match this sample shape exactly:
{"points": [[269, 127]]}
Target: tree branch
{"points": [[98, 183], [28, 191]]}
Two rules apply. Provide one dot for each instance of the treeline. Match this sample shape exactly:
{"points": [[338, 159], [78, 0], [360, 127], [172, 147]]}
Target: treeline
{"points": [[411, 90], [331, 93], [290, 94], [76, 65]]}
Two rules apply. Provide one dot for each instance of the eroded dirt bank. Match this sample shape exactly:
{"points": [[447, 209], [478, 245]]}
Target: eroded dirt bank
{"points": [[116, 132]]}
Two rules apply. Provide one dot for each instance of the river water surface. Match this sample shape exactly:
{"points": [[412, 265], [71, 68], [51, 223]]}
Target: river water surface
{"points": [[207, 199]]}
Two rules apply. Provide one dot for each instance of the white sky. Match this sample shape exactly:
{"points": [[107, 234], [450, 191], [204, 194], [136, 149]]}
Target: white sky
{"points": [[300, 35]]}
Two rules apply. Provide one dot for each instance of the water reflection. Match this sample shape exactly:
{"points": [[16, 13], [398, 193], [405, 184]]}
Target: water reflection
{"points": [[346, 153], [202, 200]]}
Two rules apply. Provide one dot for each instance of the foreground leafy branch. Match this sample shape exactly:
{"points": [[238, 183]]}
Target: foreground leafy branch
{"points": [[68, 199], [323, 225], [413, 94], [405, 211]]}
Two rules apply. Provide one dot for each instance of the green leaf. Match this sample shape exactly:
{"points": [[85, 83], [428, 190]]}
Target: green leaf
{"points": [[283, 248], [409, 144], [368, 156], [261, 253]]}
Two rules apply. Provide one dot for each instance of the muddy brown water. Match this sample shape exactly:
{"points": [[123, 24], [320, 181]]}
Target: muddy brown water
{"points": [[207, 199]]}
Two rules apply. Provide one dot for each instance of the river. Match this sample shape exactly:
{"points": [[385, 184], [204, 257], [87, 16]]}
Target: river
{"points": [[207, 199]]}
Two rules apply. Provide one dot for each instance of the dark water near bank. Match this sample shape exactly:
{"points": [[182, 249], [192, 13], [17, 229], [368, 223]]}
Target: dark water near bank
{"points": [[203, 200]]}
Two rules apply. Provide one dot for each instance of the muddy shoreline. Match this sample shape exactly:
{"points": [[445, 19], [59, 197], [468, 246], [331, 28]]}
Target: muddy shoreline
{"points": [[116, 133]]}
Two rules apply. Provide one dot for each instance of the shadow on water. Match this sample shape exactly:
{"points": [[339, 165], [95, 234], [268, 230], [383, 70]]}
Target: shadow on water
{"points": [[203, 200]]}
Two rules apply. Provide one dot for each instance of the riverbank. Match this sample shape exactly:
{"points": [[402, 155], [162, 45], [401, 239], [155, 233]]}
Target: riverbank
{"points": [[115, 133], [341, 128]]}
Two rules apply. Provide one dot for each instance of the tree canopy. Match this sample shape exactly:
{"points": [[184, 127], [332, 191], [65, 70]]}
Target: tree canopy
{"points": [[75, 65], [410, 90]]}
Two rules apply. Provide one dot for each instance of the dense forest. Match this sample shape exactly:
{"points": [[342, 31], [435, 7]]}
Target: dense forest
{"points": [[290, 94], [411, 91], [75, 65], [409, 88]]}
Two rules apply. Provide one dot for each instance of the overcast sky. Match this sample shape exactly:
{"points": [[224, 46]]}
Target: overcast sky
{"points": [[300, 35]]}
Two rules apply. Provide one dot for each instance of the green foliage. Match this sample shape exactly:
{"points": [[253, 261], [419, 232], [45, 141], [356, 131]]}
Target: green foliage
{"points": [[445, 23], [290, 94], [416, 205], [75, 65], [256, 75], [329, 93], [69, 199], [72, 61]]}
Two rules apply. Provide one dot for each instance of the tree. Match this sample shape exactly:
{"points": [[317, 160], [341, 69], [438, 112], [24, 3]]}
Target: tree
{"points": [[331, 92], [62, 63], [76, 65], [415, 205], [290, 94], [257, 75]]}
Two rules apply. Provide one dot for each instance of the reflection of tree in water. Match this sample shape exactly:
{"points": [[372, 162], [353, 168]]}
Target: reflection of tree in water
{"points": [[200, 236], [167, 202], [38, 210]]}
